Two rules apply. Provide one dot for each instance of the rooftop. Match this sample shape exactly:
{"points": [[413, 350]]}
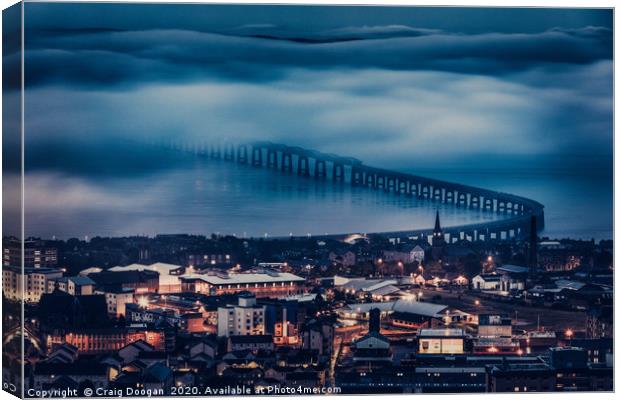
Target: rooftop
{"points": [[448, 332], [403, 306], [245, 278], [515, 269]]}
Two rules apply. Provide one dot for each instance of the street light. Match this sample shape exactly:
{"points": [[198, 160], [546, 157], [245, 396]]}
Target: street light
{"points": [[143, 302]]}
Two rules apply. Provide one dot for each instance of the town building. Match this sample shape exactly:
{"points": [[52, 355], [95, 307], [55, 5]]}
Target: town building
{"points": [[556, 257], [74, 285], [494, 325], [37, 254], [105, 340], [318, 335], [441, 341], [250, 342], [169, 281], [245, 318], [375, 289], [261, 283], [142, 282], [486, 282], [532, 377], [599, 321], [117, 299], [30, 285], [346, 258]]}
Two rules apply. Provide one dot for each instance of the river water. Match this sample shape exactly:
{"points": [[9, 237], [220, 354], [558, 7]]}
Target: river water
{"points": [[207, 196]]}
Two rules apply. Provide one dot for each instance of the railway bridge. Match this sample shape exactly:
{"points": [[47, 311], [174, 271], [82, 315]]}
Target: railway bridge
{"points": [[520, 215]]}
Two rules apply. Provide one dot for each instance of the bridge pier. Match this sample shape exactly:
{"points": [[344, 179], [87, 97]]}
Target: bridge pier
{"points": [[272, 158], [357, 176], [488, 204], [449, 196], [242, 154], [403, 186], [229, 152], [287, 162], [425, 192], [437, 194], [338, 172], [320, 169], [303, 166], [474, 202], [391, 183], [215, 152], [381, 181], [257, 156], [462, 200], [371, 180]]}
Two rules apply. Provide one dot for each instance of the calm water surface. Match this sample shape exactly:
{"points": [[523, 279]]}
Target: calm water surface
{"points": [[218, 197]]}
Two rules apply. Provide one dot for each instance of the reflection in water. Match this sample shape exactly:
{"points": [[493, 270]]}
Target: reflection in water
{"points": [[205, 197], [219, 197]]}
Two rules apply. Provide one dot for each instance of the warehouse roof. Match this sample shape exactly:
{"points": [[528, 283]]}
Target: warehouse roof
{"points": [[233, 279]]}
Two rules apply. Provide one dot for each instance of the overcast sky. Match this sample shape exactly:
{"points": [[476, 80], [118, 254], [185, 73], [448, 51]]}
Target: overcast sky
{"points": [[395, 87]]}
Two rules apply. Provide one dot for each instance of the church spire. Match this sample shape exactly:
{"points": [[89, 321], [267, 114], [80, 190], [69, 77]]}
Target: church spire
{"points": [[437, 229]]}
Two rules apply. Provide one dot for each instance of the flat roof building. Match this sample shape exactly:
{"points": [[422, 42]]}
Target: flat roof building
{"points": [[261, 284]]}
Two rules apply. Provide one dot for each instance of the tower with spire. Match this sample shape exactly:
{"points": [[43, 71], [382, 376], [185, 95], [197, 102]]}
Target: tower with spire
{"points": [[439, 240]]}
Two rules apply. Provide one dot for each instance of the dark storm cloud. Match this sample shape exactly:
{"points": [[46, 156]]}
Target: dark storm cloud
{"points": [[129, 57]]}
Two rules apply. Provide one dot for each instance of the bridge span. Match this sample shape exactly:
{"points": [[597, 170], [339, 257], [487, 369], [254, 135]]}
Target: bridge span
{"points": [[521, 215]]}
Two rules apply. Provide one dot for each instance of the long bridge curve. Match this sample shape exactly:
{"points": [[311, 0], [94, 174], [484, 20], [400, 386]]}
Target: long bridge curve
{"points": [[521, 215]]}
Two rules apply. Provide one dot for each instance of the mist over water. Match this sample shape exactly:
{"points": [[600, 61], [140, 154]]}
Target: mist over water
{"points": [[208, 196], [524, 108]]}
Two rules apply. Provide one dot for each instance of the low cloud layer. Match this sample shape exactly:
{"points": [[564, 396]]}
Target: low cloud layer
{"points": [[131, 57], [390, 94]]}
